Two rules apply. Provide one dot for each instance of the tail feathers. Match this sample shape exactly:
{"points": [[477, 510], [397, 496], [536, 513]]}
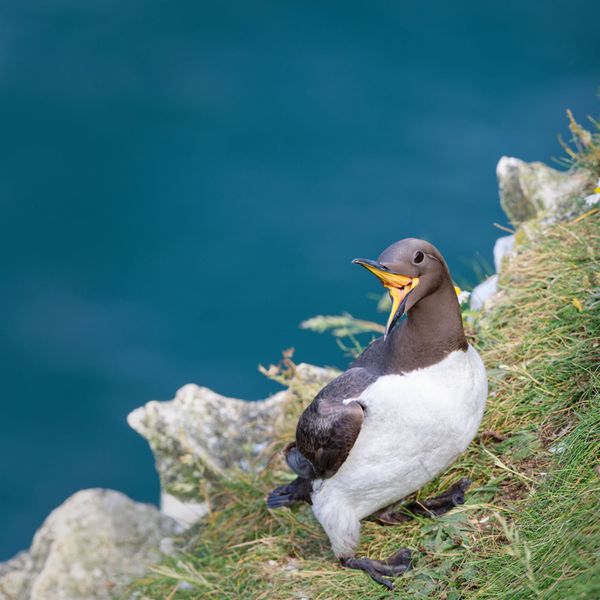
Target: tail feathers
{"points": [[286, 495], [299, 463]]}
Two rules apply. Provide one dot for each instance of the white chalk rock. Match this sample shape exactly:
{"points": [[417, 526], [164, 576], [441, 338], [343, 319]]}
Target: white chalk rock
{"points": [[185, 513], [483, 292], [503, 247]]}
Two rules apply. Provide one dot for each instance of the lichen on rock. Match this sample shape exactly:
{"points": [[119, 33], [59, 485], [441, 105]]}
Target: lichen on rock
{"points": [[200, 436], [528, 190]]}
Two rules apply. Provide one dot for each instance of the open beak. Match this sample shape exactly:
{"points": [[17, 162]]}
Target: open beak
{"points": [[398, 286]]}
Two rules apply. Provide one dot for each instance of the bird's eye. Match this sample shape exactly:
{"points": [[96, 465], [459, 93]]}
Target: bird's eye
{"points": [[418, 258]]}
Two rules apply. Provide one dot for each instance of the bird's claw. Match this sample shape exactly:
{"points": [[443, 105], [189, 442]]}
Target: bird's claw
{"points": [[378, 570]]}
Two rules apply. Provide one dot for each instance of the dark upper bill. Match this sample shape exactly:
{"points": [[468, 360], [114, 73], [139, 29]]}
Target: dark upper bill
{"points": [[398, 286]]}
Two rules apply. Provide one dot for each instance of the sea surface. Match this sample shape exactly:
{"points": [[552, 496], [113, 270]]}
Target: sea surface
{"points": [[182, 183]]}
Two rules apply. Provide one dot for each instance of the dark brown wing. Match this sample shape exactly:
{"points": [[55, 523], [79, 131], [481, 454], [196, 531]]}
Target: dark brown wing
{"points": [[328, 428]]}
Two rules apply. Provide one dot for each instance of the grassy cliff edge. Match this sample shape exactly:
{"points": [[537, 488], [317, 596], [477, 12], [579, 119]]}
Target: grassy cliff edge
{"points": [[530, 526]]}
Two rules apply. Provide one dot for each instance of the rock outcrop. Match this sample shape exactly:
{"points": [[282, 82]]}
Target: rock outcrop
{"points": [[89, 548], [528, 190], [200, 435]]}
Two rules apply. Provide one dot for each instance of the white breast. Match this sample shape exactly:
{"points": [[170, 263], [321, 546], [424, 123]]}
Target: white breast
{"points": [[415, 426]]}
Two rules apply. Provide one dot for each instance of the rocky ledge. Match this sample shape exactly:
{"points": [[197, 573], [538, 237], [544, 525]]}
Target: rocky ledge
{"points": [[201, 436]]}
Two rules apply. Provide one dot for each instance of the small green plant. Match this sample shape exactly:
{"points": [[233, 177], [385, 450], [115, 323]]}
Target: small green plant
{"points": [[583, 150], [345, 328]]}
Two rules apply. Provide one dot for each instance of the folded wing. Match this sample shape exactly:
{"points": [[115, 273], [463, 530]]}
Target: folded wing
{"points": [[329, 426]]}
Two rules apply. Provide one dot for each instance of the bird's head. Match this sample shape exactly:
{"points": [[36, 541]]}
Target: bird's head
{"points": [[410, 269]]}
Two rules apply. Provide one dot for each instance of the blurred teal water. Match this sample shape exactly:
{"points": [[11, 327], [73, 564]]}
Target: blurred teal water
{"points": [[182, 183]]}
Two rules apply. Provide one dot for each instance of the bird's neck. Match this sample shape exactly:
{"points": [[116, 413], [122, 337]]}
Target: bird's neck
{"points": [[433, 328]]}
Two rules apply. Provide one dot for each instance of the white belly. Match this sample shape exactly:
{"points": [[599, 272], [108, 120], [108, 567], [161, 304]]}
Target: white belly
{"points": [[415, 426]]}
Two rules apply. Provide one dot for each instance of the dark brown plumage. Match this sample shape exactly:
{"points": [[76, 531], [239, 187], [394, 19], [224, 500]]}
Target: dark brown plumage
{"points": [[328, 428]]}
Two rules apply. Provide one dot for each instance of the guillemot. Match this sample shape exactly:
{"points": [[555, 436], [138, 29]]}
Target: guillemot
{"points": [[402, 413]]}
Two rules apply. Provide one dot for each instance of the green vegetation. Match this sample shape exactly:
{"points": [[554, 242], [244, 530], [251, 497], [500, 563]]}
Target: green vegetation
{"points": [[584, 150], [530, 527]]}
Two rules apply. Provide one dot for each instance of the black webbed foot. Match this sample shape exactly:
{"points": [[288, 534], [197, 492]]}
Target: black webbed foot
{"points": [[286, 495], [433, 507], [380, 569]]}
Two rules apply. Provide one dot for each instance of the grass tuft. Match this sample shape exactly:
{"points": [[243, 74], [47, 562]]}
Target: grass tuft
{"points": [[583, 151]]}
